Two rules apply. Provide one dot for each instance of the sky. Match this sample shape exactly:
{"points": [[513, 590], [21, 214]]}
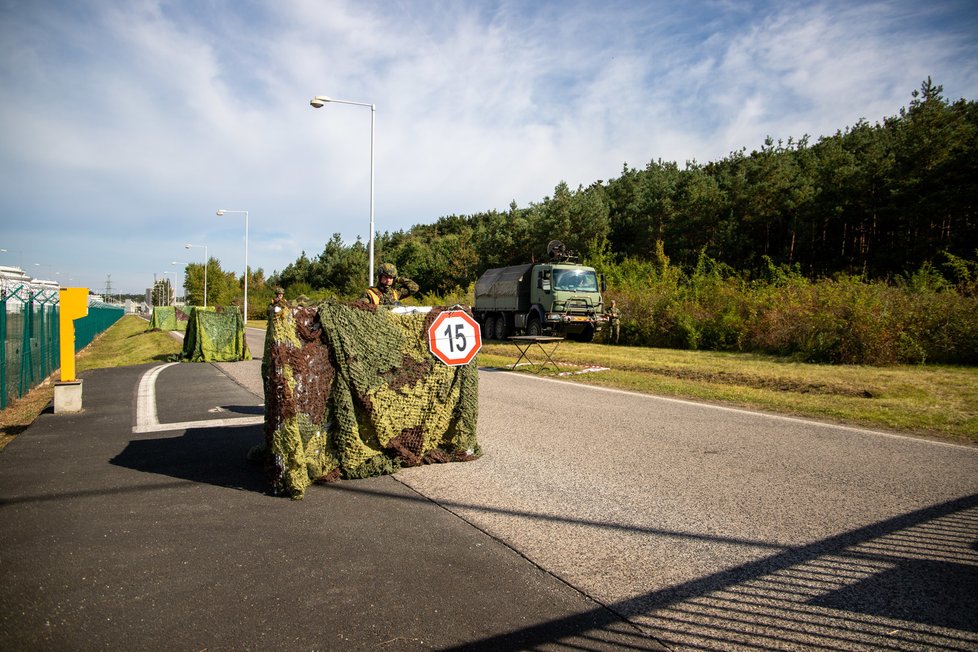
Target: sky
{"points": [[125, 125]]}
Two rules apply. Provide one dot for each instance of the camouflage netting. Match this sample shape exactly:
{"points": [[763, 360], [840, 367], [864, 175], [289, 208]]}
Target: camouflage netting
{"points": [[215, 336], [168, 318], [352, 391]]}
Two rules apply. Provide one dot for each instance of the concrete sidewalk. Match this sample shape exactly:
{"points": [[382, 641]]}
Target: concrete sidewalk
{"points": [[168, 540]]}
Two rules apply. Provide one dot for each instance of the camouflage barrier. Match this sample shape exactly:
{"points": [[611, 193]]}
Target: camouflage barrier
{"points": [[352, 391], [215, 336], [169, 318]]}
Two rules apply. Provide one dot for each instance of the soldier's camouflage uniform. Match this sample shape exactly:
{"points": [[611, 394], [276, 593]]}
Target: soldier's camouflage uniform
{"points": [[401, 287]]}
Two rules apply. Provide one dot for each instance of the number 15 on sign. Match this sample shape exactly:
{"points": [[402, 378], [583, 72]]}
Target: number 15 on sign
{"points": [[454, 337]]}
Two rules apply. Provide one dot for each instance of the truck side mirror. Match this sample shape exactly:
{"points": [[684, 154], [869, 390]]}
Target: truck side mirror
{"points": [[604, 286]]}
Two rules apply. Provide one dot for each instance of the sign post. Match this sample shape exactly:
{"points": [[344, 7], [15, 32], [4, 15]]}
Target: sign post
{"points": [[454, 337]]}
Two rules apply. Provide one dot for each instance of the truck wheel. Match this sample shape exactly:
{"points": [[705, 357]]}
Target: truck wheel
{"points": [[502, 329], [533, 327], [489, 328], [587, 335]]}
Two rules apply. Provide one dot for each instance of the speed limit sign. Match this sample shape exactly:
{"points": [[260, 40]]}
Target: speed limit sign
{"points": [[454, 337]]}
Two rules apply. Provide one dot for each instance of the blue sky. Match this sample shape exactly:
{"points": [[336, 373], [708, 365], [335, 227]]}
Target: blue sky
{"points": [[126, 125]]}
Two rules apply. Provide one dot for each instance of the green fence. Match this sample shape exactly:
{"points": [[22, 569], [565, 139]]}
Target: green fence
{"points": [[98, 320], [30, 331]]}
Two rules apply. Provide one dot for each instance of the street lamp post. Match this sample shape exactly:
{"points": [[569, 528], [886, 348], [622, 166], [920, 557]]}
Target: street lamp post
{"points": [[222, 211], [170, 298], [204, 247], [319, 102], [175, 262]]}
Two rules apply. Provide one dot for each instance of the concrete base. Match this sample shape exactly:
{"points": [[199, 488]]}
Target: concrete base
{"points": [[68, 396]]}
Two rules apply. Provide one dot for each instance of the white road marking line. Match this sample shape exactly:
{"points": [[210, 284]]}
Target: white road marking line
{"points": [[146, 398], [147, 419], [206, 423]]}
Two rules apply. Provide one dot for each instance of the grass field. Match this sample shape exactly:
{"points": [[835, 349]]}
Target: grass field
{"points": [[931, 401], [928, 401]]}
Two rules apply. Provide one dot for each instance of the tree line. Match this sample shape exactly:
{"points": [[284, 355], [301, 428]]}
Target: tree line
{"points": [[871, 200], [861, 247]]}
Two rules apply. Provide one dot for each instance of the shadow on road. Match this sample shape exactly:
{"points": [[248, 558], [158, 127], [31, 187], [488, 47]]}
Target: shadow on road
{"points": [[904, 583], [216, 456], [253, 410]]}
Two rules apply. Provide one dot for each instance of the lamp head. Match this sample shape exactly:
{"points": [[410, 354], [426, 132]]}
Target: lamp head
{"points": [[220, 212], [319, 101], [186, 246]]}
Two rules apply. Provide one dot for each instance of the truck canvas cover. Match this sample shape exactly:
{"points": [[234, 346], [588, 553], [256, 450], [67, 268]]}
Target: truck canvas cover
{"points": [[504, 288]]}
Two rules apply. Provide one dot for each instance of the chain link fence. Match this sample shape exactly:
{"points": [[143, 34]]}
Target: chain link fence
{"points": [[30, 332]]}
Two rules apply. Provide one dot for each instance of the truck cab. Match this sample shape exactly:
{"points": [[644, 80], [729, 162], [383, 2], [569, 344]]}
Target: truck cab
{"points": [[559, 298]]}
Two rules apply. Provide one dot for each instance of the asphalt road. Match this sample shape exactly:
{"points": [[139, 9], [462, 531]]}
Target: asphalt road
{"points": [[596, 519], [718, 528], [713, 528]]}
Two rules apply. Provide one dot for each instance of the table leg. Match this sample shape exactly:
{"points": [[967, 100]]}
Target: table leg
{"points": [[523, 356], [548, 356]]}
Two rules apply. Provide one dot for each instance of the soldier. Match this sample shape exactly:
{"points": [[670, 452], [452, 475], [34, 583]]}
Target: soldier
{"points": [[389, 289], [277, 304], [614, 321]]}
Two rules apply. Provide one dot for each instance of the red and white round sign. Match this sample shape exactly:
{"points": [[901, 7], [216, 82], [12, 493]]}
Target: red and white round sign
{"points": [[454, 337]]}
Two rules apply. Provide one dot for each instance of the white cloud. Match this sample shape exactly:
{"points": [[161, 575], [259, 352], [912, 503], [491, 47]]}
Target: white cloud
{"points": [[126, 125]]}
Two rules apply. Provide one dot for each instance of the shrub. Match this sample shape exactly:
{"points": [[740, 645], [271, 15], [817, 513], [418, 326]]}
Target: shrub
{"points": [[844, 320]]}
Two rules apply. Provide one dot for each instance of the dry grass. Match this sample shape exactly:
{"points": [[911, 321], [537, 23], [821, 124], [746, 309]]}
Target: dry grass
{"points": [[932, 401]]}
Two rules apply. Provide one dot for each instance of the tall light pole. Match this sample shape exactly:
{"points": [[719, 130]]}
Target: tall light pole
{"points": [[175, 262], [222, 211], [204, 247], [170, 297], [319, 102]]}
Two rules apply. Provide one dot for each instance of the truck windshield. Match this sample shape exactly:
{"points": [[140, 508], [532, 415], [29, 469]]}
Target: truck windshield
{"points": [[575, 280]]}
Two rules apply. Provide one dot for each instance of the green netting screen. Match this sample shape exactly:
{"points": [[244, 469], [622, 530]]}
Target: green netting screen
{"points": [[215, 336], [170, 318], [353, 391]]}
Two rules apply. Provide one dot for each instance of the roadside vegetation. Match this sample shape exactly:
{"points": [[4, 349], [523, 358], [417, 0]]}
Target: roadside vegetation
{"points": [[935, 401]]}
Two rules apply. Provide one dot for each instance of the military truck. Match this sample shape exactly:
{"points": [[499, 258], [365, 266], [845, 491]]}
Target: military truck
{"points": [[559, 297]]}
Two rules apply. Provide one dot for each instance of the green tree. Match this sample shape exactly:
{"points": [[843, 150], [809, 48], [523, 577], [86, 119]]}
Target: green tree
{"points": [[935, 191], [220, 284], [294, 273]]}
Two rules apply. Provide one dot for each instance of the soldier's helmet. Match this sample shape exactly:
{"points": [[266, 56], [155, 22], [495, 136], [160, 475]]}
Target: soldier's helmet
{"points": [[279, 291], [387, 269]]}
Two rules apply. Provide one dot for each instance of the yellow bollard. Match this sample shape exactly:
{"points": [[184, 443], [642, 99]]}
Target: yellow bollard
{"points": [[68, 393], [74, 305]]}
